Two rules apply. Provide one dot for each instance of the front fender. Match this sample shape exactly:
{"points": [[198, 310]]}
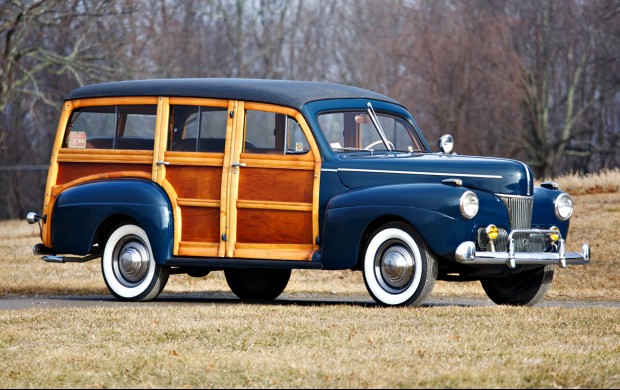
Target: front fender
{"points": [[79, 211], [543, 214], [431, 209]]}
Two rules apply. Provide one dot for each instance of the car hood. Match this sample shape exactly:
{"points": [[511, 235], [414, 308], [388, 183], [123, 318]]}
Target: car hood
{"points": [[500, 176]]}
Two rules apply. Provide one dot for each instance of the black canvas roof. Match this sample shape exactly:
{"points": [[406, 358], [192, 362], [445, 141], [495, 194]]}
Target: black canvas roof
{"points": [[282, 92]]}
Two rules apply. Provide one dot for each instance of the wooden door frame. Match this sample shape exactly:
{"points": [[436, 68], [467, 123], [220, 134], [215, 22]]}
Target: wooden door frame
{"points": [[312, 165]]}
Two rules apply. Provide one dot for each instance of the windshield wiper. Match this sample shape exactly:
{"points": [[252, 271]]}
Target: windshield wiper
{"points": [[375, 122]]}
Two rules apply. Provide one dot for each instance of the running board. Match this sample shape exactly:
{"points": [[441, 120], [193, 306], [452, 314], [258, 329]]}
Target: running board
{"points": [[218, 263], [68, 259]]}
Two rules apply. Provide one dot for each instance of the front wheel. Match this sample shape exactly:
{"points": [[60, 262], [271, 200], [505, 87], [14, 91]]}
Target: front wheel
{"points": [[398, 268], [257, 284], [521, 289], [128, 265]]}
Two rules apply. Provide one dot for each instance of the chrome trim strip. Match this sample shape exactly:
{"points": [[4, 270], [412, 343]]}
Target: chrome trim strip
{"points": [[527, 173], [419, 173], [328, 170], [501, 195]]}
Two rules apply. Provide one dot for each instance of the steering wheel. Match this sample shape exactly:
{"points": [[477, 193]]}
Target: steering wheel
{"points": [[390, 144]]}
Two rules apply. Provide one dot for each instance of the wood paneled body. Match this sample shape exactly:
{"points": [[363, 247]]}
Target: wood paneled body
{"points": [[277, 184], [274, 206], [197, 181], [234, 203]]}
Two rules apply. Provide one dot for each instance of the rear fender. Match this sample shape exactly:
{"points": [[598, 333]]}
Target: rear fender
{"points": [[81, 213]]}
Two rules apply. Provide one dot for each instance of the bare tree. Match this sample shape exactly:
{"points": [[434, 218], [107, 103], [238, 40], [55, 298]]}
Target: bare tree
{"points": [[450, 63], [529, 79], [51, 37], [557, 66], [47, 47]]}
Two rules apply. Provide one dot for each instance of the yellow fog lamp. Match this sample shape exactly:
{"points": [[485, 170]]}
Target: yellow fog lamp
{"points": [[492, 232], [556, 235]]}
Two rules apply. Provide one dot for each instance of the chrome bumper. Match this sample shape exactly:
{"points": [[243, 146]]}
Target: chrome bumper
{"points": [[466, 254]]}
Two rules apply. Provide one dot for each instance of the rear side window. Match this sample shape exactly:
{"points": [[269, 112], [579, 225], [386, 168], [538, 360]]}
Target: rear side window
{"points": [[268, 132], [197, 129], [130, 127]]}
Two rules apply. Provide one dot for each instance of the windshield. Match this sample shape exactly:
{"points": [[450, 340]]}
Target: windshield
{"points": [[354, 130]]}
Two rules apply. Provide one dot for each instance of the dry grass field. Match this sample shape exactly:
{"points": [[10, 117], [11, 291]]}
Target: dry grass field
{"points": [[321, 344]]}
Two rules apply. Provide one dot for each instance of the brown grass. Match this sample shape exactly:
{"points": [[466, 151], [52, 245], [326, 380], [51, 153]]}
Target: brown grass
{"points": [[604, 181], [318, 345], [327, 346]]}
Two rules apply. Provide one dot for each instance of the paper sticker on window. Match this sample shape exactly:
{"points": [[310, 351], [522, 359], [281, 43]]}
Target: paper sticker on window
{"points": [[299, 147], [77, 140]]}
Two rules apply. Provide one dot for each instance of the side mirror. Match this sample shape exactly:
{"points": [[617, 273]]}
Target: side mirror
{"points": [[446, 143]]}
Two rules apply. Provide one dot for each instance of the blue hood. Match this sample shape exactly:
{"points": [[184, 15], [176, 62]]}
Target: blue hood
{"points": [[494, 175]]}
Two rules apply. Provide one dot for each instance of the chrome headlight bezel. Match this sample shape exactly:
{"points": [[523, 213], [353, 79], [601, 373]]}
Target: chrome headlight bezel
{"points": [[469, 204], [563, 207]]}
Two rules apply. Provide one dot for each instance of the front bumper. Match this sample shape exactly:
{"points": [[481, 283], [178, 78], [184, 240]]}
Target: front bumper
{"points": [[466, 253]]}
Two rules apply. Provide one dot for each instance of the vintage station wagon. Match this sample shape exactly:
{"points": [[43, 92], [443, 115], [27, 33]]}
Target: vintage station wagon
{"points": [[259, 177]]}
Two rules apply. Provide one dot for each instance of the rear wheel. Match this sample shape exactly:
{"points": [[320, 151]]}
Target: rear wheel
{"points": [[521, 289], [128, 265], [257, 284], [398, 268]]}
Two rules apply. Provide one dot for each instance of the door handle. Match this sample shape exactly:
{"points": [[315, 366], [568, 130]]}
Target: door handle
{"points": [[238, 164], [160, 162]]}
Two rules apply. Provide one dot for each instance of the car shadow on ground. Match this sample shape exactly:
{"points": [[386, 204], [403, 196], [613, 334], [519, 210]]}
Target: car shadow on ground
{"points": [[198, 299], [25, 301]]}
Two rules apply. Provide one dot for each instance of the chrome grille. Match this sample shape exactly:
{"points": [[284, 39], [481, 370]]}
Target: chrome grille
{"points": [[519, 210]]}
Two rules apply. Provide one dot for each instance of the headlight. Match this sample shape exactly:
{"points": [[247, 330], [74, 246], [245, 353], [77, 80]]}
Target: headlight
{"points": [[563, 207], [469, 204]]}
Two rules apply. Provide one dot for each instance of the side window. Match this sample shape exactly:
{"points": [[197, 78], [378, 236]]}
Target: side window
{"points": [[129, 127], [197, 129], [397, 133], [268, 132]]}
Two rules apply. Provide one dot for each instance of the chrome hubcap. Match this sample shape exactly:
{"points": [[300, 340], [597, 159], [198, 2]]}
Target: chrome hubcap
{"points": [[394, 266], [131, 261]]}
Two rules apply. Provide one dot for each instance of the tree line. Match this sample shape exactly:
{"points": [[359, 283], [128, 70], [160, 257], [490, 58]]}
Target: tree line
{"points": [[535, 80]]}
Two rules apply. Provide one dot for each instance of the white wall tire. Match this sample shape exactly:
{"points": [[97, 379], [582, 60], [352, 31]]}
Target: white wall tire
{"points": [[398, 269], [128, 265]]}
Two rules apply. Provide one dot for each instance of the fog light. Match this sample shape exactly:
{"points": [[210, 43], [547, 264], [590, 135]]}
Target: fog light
{"points": [[492, 232], [554, 236]]}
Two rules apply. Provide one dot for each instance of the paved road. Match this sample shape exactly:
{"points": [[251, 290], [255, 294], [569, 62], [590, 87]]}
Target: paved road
{"points": [[29, 302]]}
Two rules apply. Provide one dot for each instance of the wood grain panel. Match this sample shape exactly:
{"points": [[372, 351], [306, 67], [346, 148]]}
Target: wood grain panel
{"points": [[279, 185], [198, 249], [201, 224], [71, 171], [274, 252], [274, 226], [195, 182], [105, 156]]}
